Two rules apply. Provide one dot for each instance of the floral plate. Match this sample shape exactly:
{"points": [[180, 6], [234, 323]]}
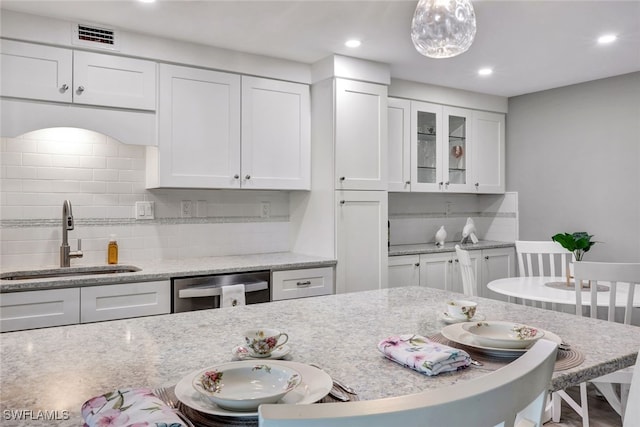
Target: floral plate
{"points": [[503, 334]]}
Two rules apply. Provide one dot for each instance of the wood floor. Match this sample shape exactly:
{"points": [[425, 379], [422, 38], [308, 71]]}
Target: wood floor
{"points": [[600, 413]]}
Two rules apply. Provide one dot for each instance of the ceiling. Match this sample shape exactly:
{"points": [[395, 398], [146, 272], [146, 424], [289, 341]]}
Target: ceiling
{"points": [[531, 45]]}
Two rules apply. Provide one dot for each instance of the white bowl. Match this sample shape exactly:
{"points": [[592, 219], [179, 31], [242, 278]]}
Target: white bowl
{"points": [[503, 334], [243, 386]]}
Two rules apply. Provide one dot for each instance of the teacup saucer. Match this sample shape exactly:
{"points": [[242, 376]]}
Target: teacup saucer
{"points": [[241, 352], [446, 317]]}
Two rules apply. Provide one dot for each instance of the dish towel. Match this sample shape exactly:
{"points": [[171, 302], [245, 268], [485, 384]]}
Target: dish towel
{"points": [[232, 295], [423, 355], [128, 407]]}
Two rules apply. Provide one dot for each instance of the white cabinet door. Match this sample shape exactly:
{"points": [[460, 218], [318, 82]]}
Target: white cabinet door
{"points": [[198, 130], [113, 81], [399, 141], [361, 136], [122, 301], [496, 264], [361, 224], [456, 274], [436, 271], [35, 72], [276, 139], [308, 282], [39, 309], [488, 152], [457, 143], [426, 147], [404, 270]]}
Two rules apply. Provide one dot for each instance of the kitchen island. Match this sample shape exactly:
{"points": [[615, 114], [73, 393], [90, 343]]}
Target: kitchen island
{"points": [[57, 369]]}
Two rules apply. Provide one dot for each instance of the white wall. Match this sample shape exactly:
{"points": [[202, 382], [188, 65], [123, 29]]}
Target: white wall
{"points": [[104, 178], [573, 156]]}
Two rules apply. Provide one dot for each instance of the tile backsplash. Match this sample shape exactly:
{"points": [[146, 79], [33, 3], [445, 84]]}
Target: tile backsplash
{"points": [[416, 217], [103, 179]]}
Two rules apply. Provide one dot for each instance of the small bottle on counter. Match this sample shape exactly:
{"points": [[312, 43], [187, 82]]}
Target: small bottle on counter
{"points": [[112, 250]]}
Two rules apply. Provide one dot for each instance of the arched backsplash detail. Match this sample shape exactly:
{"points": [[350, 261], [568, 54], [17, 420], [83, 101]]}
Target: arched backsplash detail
{"points": [[127, 126]]}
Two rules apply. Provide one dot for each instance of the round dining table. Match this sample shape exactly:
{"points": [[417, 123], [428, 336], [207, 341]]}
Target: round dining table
{"points": [[551, 289]]}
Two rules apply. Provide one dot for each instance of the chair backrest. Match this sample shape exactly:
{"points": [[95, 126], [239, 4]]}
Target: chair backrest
{"points": [[546, 258], [514, 394], [632, 411], [469, 285], [611, 273]]}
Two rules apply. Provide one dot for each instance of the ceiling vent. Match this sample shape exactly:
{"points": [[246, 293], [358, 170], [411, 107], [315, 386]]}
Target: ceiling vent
{"points": [[95, 36]]}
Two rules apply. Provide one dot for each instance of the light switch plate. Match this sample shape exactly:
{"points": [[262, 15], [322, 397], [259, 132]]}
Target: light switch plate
{"points": [[145, 210]]}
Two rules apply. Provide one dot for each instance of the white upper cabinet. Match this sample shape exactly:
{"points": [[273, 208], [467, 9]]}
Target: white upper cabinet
{"points": [[208, 138], [399, 140], [488, 157], [32, 71], [360, 135], [114, 81], [451, 149], [198, 130], [276, 138]]}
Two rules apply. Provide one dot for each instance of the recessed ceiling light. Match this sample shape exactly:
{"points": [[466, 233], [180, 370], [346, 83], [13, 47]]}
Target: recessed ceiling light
{"points": [[352, 43], [607, 38], [485, 71], [147, 1]]}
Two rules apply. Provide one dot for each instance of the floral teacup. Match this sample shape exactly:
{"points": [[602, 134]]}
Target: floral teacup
{"points": [[462, 309], [261, 342]]}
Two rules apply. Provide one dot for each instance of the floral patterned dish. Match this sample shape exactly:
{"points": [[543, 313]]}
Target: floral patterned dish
{"points": [[503, 334], [447, 318], [242, 386]]}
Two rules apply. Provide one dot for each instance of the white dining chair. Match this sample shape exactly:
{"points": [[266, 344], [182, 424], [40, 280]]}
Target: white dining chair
{"points": [[623, 277], [632, 412], [469, 284], [542, 258], [514, 395]]}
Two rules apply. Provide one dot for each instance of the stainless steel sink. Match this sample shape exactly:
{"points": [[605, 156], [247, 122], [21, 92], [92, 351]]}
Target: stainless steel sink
{"points": [[68, 272]]}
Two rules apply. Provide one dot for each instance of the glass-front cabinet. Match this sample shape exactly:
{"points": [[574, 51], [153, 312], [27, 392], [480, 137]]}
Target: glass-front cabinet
{"points": [[439, 148]]}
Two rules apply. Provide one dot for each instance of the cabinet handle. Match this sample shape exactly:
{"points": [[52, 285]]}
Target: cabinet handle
{"points": [[342, 178], [486, 257], [446, 183], [64, 88], [80, 89], [457, 261], [247, 176], [407, 182], [417, 264], [477, 184], [236, 176], [450, 261], [342, 202], [305, 283]]}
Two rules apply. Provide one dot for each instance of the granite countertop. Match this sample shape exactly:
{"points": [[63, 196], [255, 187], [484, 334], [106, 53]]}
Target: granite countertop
{"points": [[57, 369], [431, 248], [166, 269]]}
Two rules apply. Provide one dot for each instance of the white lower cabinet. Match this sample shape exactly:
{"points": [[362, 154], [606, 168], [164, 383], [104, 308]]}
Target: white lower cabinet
{"points": [[39, 309], [442, 270], [302, 283], [404, 271], [122, 301]]}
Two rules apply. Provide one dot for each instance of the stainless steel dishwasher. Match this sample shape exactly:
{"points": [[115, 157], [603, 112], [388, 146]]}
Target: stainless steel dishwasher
{"points": [[204, 292]]}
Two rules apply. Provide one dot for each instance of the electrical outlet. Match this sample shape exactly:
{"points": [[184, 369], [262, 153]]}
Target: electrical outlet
{"points": [[449, 209], [201, 209], [265, 209], [186, 209]]}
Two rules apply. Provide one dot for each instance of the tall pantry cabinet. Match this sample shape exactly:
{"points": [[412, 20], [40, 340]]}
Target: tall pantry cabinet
{"points": [[345, 214]]}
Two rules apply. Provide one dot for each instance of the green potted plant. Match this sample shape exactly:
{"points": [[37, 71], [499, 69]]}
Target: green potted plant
{"points": [[578, 243]]}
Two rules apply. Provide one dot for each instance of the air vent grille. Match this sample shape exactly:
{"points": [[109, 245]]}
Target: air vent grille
{"points": [[95, 36]]}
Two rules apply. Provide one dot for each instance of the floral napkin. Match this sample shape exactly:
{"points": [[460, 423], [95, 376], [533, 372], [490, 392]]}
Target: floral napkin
{"points": [[425, 356], [130, 407]]}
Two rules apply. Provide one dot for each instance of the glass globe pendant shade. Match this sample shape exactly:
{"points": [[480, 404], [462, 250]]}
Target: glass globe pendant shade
{"points": [[443, 28]]}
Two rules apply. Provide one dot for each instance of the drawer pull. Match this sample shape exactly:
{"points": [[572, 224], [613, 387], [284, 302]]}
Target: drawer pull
{"points": [[303, 284]]}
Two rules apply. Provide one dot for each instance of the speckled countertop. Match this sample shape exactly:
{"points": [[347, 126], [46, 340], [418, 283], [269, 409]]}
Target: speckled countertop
{"points": [[166, 269], [59, 368], [431, 248]]}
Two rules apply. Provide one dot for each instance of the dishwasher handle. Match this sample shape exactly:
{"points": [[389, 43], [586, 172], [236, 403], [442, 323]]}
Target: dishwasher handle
{"points": [[216, 290]]}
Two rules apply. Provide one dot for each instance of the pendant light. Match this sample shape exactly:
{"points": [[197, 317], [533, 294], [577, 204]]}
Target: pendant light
{"points": [[443, 28]]}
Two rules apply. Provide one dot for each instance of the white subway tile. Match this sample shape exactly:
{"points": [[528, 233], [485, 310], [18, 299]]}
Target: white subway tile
{"points": [[119, 163], [20, 145], [119, 187], [105, 175], [105, 150], [11, 158], [75, 174], [20, 172], [12, 185]]}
